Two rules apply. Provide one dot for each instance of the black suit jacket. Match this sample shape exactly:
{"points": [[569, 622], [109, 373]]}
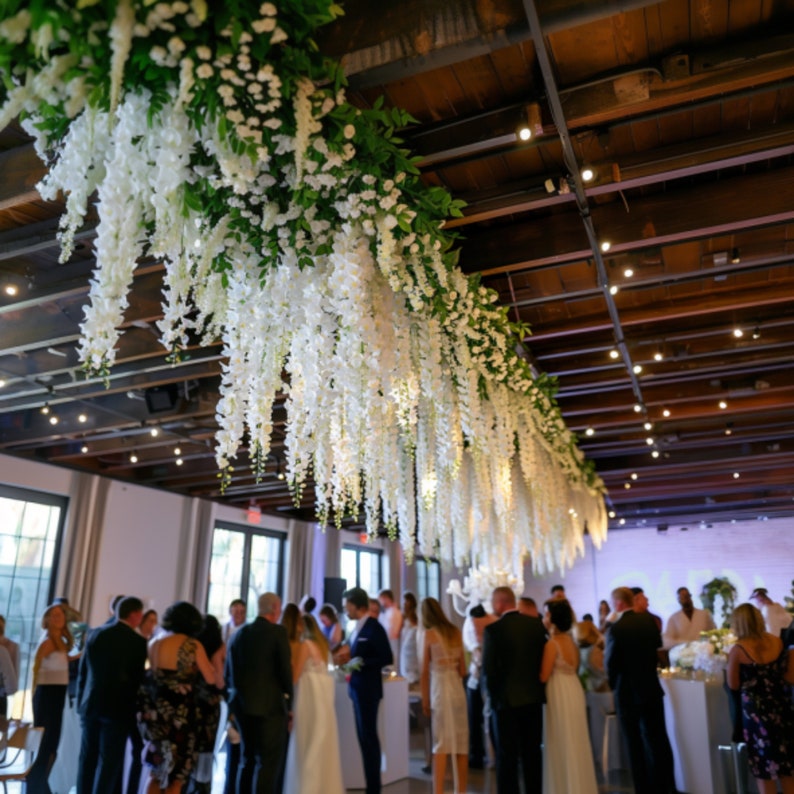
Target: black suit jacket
{"points": [[372, 646], [111, 670], [511, 657], [630, 658], [258, 671]]}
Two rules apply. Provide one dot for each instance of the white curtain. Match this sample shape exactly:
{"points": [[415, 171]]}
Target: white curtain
{"points": [[198, 524], [301, 553], [78, 560]]}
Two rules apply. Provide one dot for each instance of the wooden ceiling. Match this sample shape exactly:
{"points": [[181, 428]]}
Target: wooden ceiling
{"points": [[685, 112]]}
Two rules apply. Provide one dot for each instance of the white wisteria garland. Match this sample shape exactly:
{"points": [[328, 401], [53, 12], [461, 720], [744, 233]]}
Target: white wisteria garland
{"points": [[293, 228]]}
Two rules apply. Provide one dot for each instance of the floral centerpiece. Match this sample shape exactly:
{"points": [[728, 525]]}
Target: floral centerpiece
{"points": [[708, 654], [294, 228]]}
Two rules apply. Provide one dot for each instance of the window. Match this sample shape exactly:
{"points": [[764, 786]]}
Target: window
{"points": [[428, 579], [245, 563], [363, 568], [31, 525]]}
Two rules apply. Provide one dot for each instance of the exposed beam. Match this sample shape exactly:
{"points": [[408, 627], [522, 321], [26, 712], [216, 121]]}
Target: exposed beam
{"points": [[22, 170], [722, 208]]}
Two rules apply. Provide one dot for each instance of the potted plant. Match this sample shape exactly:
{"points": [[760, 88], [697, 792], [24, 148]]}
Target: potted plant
{"points": [[723, 588]]}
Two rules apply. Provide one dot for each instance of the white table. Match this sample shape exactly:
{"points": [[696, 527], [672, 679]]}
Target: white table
{"points": [[392, 731], [698, 722]]}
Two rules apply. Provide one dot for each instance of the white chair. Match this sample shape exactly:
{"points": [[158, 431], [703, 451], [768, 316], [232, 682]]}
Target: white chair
{"points": [[22, 748]]}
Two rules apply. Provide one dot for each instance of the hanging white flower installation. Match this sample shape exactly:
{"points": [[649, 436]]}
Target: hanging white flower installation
{"points": [[294, 228]]}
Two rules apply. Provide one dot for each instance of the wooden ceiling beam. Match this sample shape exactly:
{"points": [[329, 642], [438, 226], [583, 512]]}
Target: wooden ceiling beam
{"points": [[22, 170]]}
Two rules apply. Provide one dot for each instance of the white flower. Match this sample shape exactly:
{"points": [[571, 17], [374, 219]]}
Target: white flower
{"points": [[266, 25], [267, 10], [203, 52], [279, 36], [349, 131], [204, 71]]}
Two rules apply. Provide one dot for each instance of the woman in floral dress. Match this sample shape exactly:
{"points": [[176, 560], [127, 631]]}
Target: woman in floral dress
{"points": [[763, 670], [168, 699]]}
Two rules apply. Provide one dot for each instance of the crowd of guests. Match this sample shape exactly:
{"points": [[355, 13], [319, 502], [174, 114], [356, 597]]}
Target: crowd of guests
{"points": [[508, 689]]}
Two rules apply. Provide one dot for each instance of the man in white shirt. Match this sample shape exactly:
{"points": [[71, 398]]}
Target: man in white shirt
{"points": [[686, 624], [391, 619], [776, 616]]}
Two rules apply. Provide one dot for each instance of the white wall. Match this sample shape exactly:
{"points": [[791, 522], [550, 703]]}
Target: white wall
{"points": [[749, 553]]}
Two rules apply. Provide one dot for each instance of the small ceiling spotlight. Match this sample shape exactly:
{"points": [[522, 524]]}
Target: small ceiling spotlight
{"points": [[133, 458], [757, 333], [648, 426], [2, 383], [735, 257], [738, 333], [627, 485], [634, 475], [614, 289], [655, 453], [177, 451], [657, 356], [666, 413], [649, 441], [723, 405], [612, 514], [524, 133], [82, 419], [605, 246], [532, 127], [45, 409], [614, 353], [736, 475], [11, 290], [587, 173], [84, 449], [54, 420], [155, 431], [622, 521], [589, 432], [628, 272], [637, 408], [179, 461], [637, 368], [728, 431]]}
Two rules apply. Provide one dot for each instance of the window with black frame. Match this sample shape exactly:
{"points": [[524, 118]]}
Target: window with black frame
{"points": [[428, 579], [245, 562], [362, 567]]}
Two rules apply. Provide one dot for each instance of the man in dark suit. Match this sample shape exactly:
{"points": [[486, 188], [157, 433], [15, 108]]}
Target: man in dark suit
{"points": [[512, 655], [368, 643], [259, 680], [630, 662], [111, 671]]}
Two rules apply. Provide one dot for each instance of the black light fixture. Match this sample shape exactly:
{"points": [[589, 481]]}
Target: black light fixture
{"points": [[735, 257]]}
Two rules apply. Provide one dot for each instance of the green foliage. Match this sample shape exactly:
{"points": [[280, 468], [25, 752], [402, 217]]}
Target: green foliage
{"points": [[723, 589]]}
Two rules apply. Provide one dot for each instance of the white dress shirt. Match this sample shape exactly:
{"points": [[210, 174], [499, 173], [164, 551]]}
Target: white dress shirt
{"points": [[681, 629]]}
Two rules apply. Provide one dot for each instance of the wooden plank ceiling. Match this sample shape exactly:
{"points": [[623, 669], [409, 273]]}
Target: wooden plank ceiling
{"points": [[684, 110]]}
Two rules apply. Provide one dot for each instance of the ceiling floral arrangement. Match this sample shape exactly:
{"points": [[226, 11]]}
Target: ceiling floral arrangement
{"points": [[215, 137]]}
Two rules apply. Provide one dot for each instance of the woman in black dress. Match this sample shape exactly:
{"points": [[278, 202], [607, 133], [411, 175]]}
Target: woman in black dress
{"points": [[763, 670]]}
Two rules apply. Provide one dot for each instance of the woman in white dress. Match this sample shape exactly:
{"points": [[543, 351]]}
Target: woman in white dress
{"points": [[567, 754], [443, 696], [313, 761]]}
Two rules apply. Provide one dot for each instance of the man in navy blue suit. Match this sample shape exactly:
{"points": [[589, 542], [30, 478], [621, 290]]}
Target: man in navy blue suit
{"points": [[369, 644]]}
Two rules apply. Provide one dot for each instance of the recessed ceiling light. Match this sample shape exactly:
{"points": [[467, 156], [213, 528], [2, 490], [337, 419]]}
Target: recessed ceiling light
{"points": [[179, 461], [666, 413], [53, 420], [587, 174], [637, 408], [155, 432], [605, 246], [657, 356], [82, 419], [628, 272], [634, 475], [736, 475], [738, 333], [637, 369], [177, 451], [614, 289], [133, 458], [655, 453], [589, 431], [648, 426], [723, 405], [614, 353]]}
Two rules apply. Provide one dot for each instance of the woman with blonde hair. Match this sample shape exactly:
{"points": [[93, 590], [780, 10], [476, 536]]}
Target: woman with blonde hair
{"points": [[763, 670], [50, 679], [443, 697], [314, 763]]}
